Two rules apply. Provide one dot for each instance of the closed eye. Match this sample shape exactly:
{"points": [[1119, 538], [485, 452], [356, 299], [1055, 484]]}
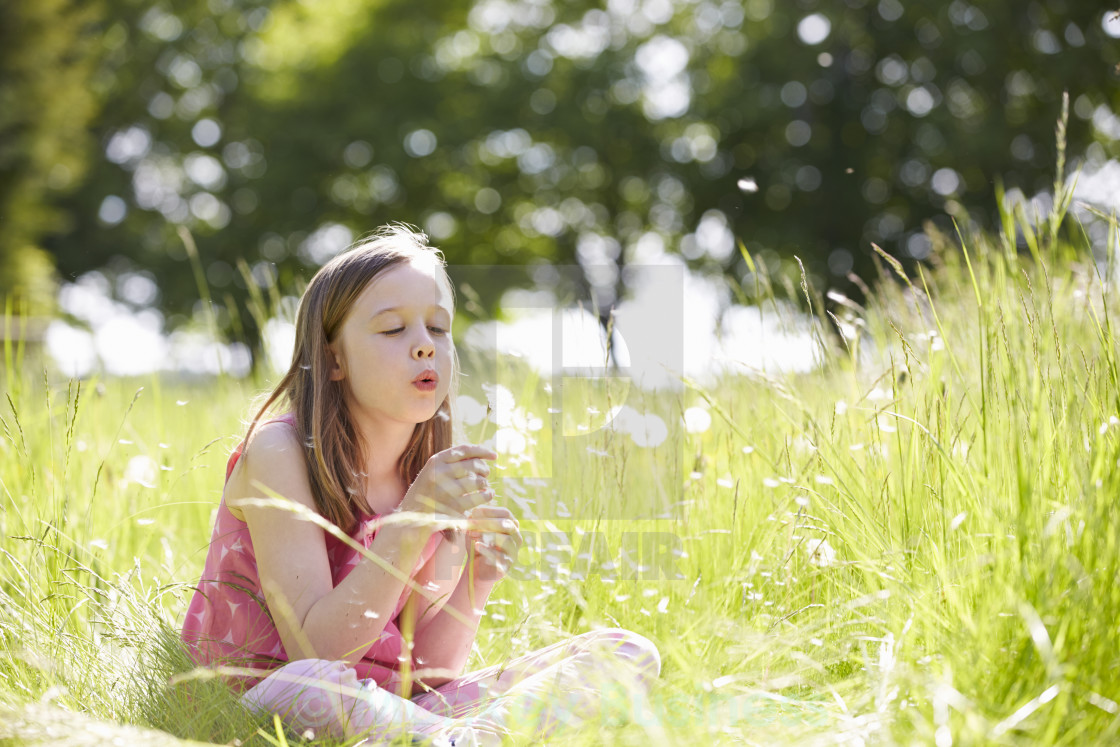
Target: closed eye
{"points": [[433, 330]]}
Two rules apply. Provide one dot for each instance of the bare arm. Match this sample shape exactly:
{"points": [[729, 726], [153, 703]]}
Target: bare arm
{"points": [[315, 619], [444, 643]]}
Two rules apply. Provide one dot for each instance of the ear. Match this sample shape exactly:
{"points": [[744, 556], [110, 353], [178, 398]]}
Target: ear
{"points": [[335, 371]]}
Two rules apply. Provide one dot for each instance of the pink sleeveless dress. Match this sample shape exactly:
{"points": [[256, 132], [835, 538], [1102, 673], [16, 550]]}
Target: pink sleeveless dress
{"points": [[228, 622]]}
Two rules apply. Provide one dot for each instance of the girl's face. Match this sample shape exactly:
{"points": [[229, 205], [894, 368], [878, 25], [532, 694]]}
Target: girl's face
{"points": [[397, 333]]}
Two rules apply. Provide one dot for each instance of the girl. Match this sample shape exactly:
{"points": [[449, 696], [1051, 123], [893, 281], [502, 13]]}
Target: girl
{"points": [[355, 547]]}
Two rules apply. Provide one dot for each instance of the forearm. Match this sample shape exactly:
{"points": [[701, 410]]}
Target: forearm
{"points": [[345, 622], [445, 642]]}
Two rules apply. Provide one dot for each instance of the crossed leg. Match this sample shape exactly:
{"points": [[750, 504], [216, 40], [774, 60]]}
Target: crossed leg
{"points": [[562, 683], [532, 694]]}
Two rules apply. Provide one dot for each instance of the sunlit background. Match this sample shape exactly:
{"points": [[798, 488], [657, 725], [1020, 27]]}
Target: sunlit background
{"points": [[696, 135]]}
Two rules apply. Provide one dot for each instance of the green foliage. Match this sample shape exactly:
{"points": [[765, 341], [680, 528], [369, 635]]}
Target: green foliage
{"points": [[918, 541], [46, 61], [546, 134]]}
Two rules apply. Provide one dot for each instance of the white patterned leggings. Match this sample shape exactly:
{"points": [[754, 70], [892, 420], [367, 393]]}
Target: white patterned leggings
{"points": [[531, 696]]}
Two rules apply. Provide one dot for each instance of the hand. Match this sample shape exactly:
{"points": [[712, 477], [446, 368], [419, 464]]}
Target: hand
{"points": [[493, 539], [452, 482]]}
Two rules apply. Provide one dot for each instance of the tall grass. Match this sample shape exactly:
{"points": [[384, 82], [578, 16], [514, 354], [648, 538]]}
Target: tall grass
{"points": [[917, 543]]}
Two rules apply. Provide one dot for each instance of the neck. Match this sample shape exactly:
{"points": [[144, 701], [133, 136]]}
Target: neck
{"points": [[384, 443]]}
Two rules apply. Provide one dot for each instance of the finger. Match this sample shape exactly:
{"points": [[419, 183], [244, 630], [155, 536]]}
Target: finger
{"points": [[467, 451], [472, 483], [493, 556], [475, 466], [469, 502], [491, 511], [507, 543], [498, 525]]}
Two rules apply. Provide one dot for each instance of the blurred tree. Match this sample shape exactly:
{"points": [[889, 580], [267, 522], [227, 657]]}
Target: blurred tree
{"points": [[46, 62], [527, 131]]}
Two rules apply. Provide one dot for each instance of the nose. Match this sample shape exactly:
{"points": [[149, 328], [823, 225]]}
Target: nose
{"points": [[423, 347]]}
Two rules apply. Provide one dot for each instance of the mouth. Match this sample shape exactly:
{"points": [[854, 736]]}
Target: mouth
{"points": [[426, 380]]}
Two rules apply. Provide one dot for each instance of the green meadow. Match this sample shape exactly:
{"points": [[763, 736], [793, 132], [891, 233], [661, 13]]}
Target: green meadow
{"points": [[918, 543]]}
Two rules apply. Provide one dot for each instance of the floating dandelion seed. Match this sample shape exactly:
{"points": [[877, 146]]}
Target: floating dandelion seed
{"points": [[697, 420], [725, 482], [181, 402], [770, 482], [100, 544], [748, 185], [748, 449], [878, 394], [651, 432], [141, 470]]}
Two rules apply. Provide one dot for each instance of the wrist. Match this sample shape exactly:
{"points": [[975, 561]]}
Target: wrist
{"points": [[401, 539], [482, 575]]}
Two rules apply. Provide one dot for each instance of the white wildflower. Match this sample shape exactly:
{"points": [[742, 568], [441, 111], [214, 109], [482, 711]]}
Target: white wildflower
{"points": [[820, 552]]}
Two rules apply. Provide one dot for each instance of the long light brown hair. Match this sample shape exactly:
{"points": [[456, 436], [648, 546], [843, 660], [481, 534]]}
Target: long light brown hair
{"points": [[331, 445]]}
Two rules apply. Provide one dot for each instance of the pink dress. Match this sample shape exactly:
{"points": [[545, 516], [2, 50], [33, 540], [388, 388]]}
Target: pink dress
{"points": [[228, 622]]}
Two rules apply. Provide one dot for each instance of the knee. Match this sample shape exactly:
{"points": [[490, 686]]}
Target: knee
{"points": [[640, 652], [306, 694]]}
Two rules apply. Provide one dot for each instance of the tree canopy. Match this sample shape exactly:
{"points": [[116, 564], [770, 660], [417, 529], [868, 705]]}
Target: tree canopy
{"points": [[528, 131]]}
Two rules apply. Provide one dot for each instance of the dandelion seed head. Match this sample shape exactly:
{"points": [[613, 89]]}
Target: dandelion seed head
{"points": [[820, 552]]}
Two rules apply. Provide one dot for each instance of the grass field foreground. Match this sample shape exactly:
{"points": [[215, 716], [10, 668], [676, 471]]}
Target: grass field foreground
{"points": [[917, 543]]}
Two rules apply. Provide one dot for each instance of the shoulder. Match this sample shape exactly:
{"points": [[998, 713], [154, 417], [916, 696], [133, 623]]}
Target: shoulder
{"points": [[276, 437], [273, 459]]}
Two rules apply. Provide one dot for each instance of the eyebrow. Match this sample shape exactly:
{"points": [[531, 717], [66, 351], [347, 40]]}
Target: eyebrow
{"points": [[433, 307]]}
